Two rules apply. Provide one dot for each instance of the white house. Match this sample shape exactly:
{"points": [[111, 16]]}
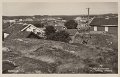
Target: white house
{"points": [[32, 28]]}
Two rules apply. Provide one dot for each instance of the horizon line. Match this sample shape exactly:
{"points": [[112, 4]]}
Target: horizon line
{"points": [[59, 14]]}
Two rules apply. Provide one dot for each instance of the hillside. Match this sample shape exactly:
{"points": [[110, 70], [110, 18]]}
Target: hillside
{"points": [[45, 56]]}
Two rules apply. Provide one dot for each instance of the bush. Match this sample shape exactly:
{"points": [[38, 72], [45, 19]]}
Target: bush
{"points": [[71, 24], [51, 34], [49, 30], [60, 36], [38, 25]]}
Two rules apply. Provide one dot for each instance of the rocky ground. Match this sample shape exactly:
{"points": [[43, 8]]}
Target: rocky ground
{"points": [[35, 56]]}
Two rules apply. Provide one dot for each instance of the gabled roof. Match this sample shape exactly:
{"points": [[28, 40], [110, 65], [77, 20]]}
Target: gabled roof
{"points": [[22, 34], [14, 28], [104, 22], [72, 32]]}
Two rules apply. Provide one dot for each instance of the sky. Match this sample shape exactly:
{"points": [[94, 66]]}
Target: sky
{"points": [[45, 8]]}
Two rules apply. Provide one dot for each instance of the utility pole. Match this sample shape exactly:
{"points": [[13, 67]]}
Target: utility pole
{"points": [[88, 14]]}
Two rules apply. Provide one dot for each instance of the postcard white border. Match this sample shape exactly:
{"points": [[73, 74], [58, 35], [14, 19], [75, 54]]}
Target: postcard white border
{"points": [[59, 75]]}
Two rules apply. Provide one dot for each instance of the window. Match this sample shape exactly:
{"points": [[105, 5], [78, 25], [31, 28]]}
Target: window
{"points": [[106, 28], [95, 28]]}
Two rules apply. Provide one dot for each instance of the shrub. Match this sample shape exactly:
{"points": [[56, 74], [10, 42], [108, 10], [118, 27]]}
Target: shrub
{"points": [[60, 36], [49, 30], [71, 24]]}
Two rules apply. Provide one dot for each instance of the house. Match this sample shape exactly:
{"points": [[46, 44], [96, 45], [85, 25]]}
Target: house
{"points": [[10, 21], [28, 19], [80, 19], [20, 30], [20, 20], [5, 20], [31, 28], [106, 24]]}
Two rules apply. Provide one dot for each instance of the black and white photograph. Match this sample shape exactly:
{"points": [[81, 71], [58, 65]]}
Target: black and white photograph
{"points": [[59, 38]]}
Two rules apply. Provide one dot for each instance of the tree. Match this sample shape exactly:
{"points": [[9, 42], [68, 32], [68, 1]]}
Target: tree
{"points": [[71, 24], [49, 30], [60, 36]]}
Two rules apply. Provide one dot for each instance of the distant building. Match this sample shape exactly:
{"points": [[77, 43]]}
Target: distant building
{"points": [[82, 24], [10, 21], [80, 19], [28, 19], [59, 28], [106, 24], [59, 23], [20, 20], [5, 21]]}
